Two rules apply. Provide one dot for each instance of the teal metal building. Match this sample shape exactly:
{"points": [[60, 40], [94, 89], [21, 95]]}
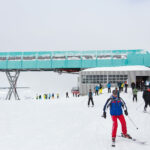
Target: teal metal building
{"points": [[77, 60], [70, 61]]}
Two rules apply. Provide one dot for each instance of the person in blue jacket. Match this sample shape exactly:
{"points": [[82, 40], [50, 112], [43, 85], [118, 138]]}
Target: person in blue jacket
{"points": [[96, 90], [109, 87], [116, 104]]}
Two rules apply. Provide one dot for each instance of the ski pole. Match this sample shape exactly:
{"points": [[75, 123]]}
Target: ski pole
{"points": [[132, 122]]}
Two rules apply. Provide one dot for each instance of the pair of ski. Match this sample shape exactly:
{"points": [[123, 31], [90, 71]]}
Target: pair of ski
{"points": [[131, 139]]}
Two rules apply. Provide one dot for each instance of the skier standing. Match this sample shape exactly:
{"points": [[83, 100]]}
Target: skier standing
{"points": [[53, 95], [90, 98], [146, 97], [122, 86], [119, 86], [109, 87], [57, 95], [96, 90], [67, 95], [49, 96], [37, 97], [116, 104], [100, 88], [126, 86], [133, 85], [134, 91], [40, 97]]}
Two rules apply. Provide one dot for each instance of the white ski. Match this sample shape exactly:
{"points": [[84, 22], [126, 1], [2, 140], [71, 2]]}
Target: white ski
{"points": [[134, 140]]}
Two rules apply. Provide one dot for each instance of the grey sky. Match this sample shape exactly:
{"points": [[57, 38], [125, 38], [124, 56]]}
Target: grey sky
{"points": [[74, 24]]}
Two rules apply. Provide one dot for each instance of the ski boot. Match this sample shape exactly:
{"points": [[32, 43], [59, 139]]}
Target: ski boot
{"points": [[126, 136], [113, 141]]}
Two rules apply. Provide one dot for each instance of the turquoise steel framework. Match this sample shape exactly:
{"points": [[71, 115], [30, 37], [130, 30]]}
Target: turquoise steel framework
{"points": [[70, 61]]}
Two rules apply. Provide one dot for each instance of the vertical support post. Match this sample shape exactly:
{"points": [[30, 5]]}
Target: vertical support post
{"points": [[12, 78]]}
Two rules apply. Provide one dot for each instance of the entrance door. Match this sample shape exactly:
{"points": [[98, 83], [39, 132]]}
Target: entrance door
{"points": [[140, 81]]}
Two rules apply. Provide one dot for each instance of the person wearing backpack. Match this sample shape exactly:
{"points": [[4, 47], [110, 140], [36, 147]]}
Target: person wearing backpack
{"points": [[116, 104]]}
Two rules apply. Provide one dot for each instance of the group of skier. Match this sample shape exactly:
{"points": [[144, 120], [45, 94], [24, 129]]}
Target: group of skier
{"points": [[46, 96], [120, 85], [98, 89]]}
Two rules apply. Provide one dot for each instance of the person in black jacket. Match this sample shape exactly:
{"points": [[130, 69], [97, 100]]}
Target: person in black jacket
{"points": [[133, 85], [126, 86], [67, 95], [90, 98], [146, 97]]}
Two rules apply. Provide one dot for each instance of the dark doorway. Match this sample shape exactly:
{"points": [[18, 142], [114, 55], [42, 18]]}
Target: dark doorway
{"points": [[140, 82]]}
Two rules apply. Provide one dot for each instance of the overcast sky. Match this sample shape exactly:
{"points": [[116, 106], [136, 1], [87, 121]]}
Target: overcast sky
{"points": [[42, 25], [27, 25]]}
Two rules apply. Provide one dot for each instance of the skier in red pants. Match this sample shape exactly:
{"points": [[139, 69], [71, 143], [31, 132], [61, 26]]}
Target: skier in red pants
{"points": [[116, 104], [115, 125]]}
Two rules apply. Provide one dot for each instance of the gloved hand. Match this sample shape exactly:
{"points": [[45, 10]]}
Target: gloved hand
{"points": [[126, 112], [104, 114]]}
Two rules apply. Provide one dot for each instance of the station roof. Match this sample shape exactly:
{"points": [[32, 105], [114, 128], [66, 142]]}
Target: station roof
{"points": [[121, 68]]}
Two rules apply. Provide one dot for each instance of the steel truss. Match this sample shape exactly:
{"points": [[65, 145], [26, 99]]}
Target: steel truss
{"points": [[12, 78]]}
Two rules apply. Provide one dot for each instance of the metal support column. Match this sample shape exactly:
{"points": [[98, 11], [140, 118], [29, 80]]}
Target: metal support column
{"points": [[12, 78]]}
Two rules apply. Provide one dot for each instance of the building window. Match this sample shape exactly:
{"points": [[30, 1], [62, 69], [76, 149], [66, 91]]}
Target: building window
{"points": [[117, 78], [96, 79]]}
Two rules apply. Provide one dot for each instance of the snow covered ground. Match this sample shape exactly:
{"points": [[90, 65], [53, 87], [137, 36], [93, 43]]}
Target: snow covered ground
{"points": [[68, 124]]}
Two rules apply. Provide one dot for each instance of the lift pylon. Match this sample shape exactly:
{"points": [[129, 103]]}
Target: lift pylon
{"points": [[12, 77]]}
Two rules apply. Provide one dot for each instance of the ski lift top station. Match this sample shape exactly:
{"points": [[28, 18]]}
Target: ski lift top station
{"points": [[74, 61]]}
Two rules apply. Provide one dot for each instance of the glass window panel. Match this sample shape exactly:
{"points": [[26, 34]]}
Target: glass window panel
{"points": [[83, 76], [94, 81], [94, 78]]}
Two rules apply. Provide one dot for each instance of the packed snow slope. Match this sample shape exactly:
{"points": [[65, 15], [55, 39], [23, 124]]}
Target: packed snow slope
{"points": [[68, 124]]}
